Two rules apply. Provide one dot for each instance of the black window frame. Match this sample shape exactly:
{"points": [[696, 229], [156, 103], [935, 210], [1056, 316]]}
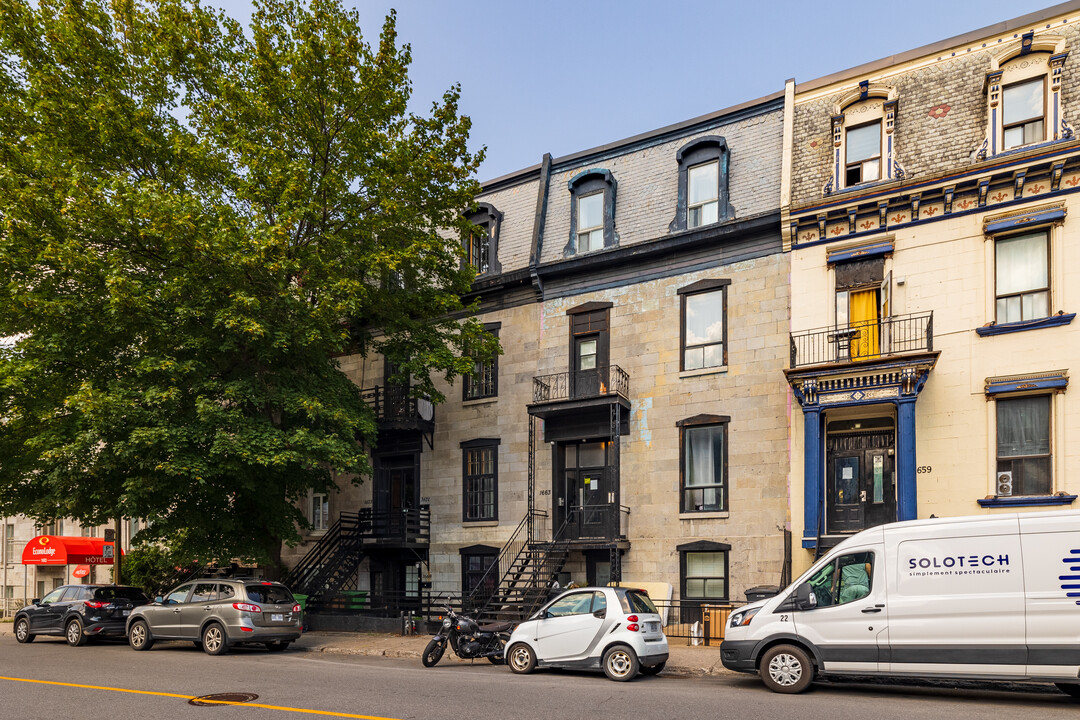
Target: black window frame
{"points": [[1011, 463], [467, 448], [587, 183], [700, 288], [485, 384], [489, 220], [477, 551], [698, 152], [691, 606], [699, 422]]}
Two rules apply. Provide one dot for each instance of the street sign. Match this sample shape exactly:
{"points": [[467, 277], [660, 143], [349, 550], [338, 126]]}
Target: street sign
{"points": [[110, 535], [107, 552]]}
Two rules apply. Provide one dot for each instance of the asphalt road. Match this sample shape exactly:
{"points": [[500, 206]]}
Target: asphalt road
{"points": [[49, 679]]}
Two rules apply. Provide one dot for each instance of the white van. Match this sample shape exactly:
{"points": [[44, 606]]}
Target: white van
{"points": [[986, 597]]}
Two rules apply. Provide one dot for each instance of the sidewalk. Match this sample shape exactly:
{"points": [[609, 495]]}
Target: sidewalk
{"points": [[682, 659]]}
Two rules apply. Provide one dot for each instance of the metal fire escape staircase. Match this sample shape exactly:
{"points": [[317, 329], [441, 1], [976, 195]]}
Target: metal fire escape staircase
{"points": [[525, 569], [328, 566]]}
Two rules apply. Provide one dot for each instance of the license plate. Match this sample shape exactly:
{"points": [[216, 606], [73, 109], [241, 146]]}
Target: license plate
{"points": [[654, 627], [277, 618], [126, 613]]}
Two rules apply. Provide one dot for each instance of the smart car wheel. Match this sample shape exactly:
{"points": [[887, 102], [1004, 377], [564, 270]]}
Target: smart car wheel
{"points": [[653, 669], [213, 640], [139, 636], [22, 631], [74, 634], [620, 663], [786, 669], [521, 659]]}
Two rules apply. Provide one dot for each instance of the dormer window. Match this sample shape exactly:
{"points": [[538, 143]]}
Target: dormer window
{"points": [[704, 187], [476, 249], [592, 212], [590, 215], [482, 242], [863, 162], [1022, 112]]}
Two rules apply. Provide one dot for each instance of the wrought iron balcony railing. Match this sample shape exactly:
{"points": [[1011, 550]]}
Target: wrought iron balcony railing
{"points": [[581, 384], [394, 404], [406, 525], [862, 341]]}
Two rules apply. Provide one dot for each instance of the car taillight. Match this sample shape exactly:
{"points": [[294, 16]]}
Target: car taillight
{"points": [[296, 608], [633, 627], [631, 618], [95, 604], [247, 607]]}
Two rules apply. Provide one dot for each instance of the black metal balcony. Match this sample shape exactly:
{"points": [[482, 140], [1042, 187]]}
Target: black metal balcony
{"points": [[609, 380], [404, 527], [863, 341], [396, 409]]}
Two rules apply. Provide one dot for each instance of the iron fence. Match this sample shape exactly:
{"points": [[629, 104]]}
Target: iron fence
{"points": [[694, 622], [865, 340]]}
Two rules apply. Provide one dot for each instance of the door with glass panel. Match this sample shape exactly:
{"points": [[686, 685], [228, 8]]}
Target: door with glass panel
{"points": [[860, 484], [587, 495]]}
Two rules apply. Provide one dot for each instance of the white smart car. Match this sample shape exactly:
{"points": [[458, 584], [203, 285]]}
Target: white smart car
{"points": [[614, 628]]}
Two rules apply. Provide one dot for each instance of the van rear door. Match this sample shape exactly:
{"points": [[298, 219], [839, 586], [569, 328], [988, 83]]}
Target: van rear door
{"points": [[956, 599], [849, 625], [1051, 546]]}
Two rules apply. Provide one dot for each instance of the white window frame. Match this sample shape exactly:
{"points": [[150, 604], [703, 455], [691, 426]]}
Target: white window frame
{"points": [[713, 199]]}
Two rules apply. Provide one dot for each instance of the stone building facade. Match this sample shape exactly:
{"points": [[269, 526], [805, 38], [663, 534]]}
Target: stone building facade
{"points": [[638, 414], [933, 281]]}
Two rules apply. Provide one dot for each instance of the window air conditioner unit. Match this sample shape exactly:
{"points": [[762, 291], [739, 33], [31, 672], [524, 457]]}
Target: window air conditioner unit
{"points": [[1004, 483]]}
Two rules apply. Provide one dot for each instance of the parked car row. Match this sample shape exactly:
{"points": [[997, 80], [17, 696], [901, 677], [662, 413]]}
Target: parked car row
{"points": [[215, 614]]}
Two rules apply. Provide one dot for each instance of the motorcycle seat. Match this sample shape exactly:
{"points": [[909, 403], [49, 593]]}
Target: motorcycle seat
{"points": [[497, 627]]}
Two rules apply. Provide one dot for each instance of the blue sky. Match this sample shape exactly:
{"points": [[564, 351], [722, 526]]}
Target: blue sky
{"points": [[561, 76]]}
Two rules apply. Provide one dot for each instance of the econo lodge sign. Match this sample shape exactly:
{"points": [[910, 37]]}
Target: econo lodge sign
{"points": [[56, 550]]}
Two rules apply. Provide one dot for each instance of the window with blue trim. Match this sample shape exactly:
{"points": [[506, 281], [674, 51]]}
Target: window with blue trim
{"points": [[1022, 277], [1024, 464]]}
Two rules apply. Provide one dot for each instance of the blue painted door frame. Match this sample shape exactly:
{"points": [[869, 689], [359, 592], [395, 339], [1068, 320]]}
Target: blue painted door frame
{"points": [[814, 468]]}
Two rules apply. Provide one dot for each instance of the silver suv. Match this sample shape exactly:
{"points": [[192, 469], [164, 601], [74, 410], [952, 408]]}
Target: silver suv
{"points": [[217, 614]]}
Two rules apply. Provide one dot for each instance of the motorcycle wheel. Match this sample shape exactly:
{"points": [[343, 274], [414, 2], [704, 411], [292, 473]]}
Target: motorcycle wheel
{"points": [[433, 653], [501, 658]]}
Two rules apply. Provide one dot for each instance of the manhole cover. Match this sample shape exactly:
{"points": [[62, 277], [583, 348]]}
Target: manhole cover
{"points": [[223, 699]]}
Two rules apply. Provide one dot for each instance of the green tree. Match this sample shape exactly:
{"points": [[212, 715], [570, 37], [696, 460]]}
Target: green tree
{"points": [[195, 222]]}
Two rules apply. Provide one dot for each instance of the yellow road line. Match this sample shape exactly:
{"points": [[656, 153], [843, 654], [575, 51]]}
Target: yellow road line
{"points": [[193, 697]]}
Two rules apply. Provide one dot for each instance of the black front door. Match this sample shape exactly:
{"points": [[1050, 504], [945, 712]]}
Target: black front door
{"points": [[587, 493], [860, 488], [396, 492]]}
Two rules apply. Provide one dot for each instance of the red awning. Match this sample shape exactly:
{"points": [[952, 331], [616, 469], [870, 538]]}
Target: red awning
{"points": [[56, 550]]}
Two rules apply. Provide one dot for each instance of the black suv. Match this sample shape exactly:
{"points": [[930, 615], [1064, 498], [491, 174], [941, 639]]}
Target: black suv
{"points": [[78, 612]]}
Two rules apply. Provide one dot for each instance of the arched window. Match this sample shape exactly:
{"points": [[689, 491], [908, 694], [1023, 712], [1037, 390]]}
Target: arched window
{"points": [[703, 184], [1023, 95], [863, 122], [592, 212]]}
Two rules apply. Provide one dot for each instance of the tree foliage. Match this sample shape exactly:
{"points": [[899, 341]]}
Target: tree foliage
{"points": [[196, 219]]}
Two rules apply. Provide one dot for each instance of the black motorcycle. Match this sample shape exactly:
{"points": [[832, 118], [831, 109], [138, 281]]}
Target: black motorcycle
{"points": [[469, 639]]}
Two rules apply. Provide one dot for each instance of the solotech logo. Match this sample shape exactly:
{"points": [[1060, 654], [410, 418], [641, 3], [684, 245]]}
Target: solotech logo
{"points": [[1071, 583]]}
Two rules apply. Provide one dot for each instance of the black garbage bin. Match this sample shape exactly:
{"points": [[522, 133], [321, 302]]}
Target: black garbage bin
{"points": [[761, 592]]}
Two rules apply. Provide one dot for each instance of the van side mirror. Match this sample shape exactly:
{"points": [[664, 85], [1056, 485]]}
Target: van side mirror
{"points": [[805, 599]]}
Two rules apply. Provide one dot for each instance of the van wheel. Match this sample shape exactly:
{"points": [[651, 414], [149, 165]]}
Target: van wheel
{"points": [[74, 634], [1070, 689], [213, 640], [786, 669], [620, 663]]}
